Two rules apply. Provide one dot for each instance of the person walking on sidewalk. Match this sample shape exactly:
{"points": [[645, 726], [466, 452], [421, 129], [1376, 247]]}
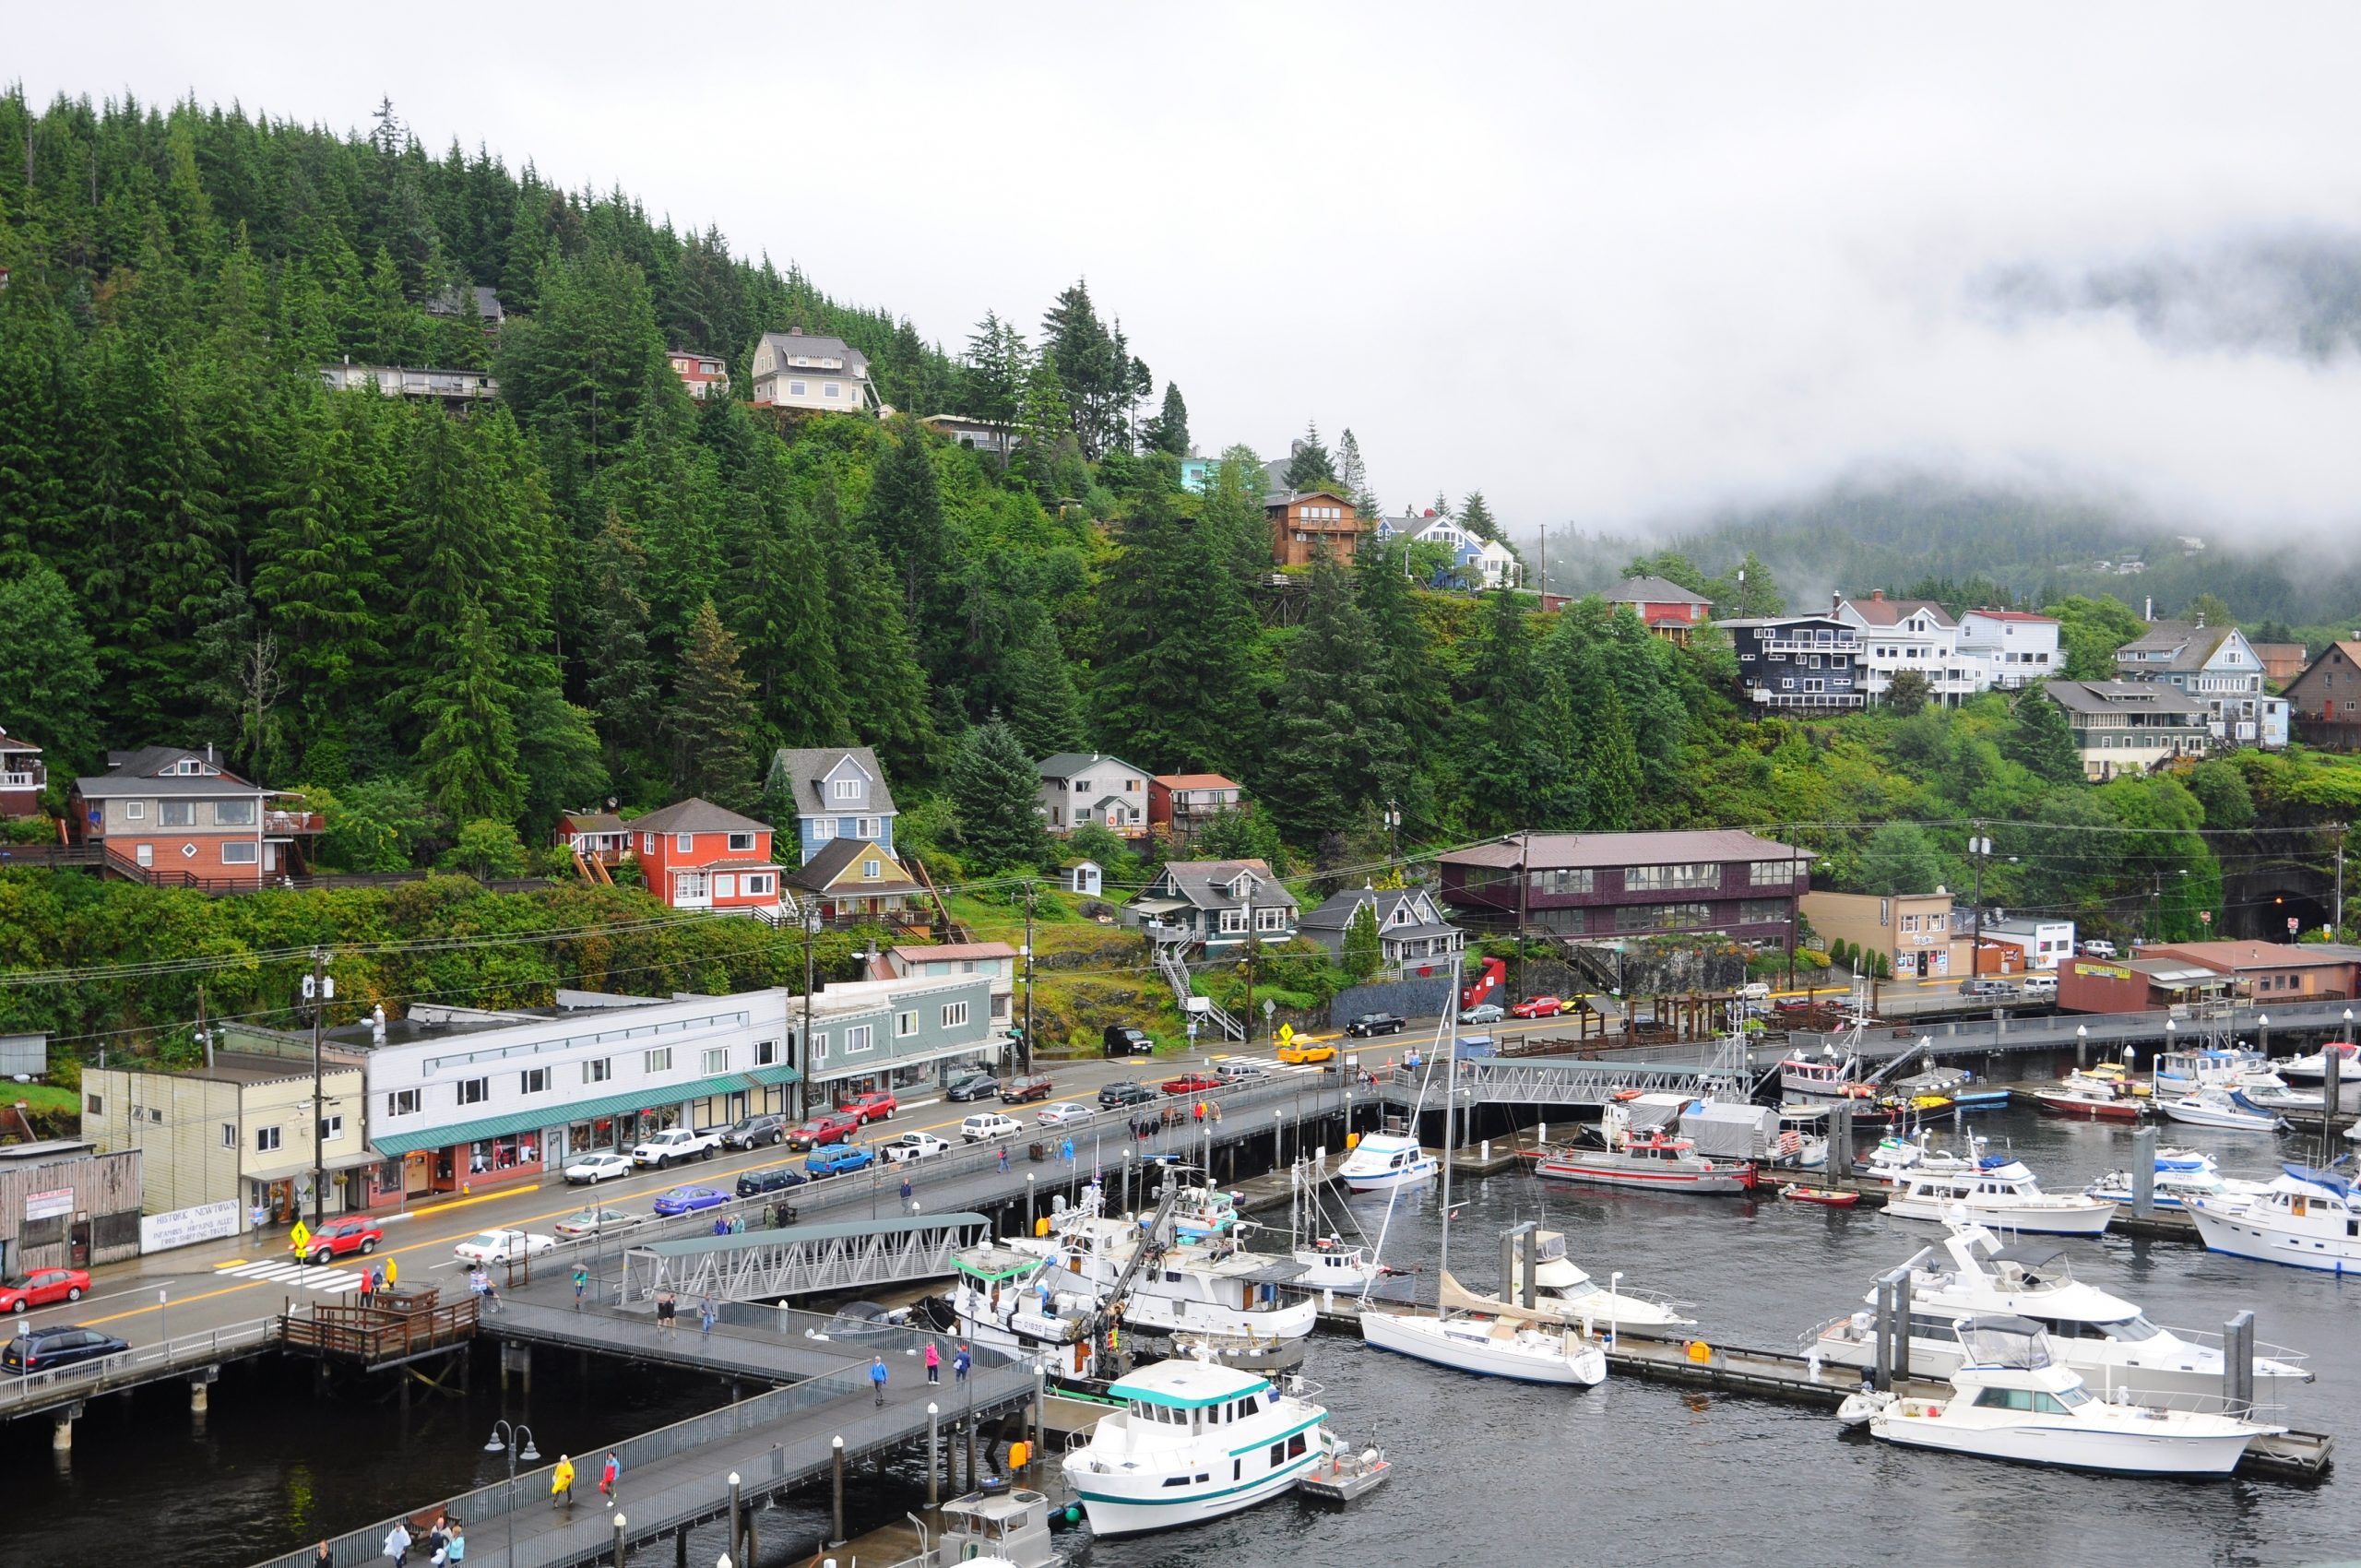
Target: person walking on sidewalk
{"points": [[933, 1363], [960, 1362], [562, 1483], [906, 1192], [581, 1283], [877, 1378], [706, 1315], [1003, 1160], [610, 1480]]}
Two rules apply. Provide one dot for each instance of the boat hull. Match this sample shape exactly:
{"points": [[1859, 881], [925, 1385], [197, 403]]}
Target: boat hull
{"points": [[2076, 1108], [2071, 1220], [1936, 1359], [2068, 1446], [1424, 1337], [1643, 1175], [1128, 1506], [1385, 1181], [2238, 1235], [2229, 1120]]}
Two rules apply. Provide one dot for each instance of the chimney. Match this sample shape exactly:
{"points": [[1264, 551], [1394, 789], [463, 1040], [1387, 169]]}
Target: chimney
{"points": [[1835, 601], [209, 751], [2149, 614], [1877, 596]]}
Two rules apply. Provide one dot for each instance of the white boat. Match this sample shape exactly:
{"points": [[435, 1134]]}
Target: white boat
{"points": [[2306, 1217], [2178, 1073], [1212, 1286], [1381, 1161], [2181, 1175], [2229, 1109], [1564, 1293], [2313, 1069], [2100, 1335], [1894, 1156], [1193, 1442], [1329, 1262], [2013, 1399], [997, 1301], [1999, 1191], [1827, 1077], [1648, 1158]]}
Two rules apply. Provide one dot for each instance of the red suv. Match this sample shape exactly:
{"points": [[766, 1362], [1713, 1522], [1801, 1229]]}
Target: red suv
{"points": [[1538, 1007], [876, 1106], [340, 1237], [830, 1127]]}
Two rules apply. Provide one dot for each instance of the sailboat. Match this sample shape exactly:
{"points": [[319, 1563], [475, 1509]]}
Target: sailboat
{"points": [[1500, 1341]]}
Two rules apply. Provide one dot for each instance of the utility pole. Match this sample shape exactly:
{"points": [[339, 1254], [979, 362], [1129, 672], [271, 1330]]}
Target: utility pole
{"points": [[1979, 847], [804, 1051], [1394, 837], [1250, 958], [1523, 882], [1025, 1046], [1795, 910], [319, 991], [2338, 934]]}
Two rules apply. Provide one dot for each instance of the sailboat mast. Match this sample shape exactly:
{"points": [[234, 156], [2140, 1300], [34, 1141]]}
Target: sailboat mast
{"points": [[1450, 1118]]}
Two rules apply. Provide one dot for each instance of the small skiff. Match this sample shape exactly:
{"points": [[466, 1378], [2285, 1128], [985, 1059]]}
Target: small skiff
{"points": [[1827, 1197]]}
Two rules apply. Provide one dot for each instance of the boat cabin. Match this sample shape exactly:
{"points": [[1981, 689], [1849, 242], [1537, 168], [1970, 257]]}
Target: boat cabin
{"points": [[1012, 1525]]}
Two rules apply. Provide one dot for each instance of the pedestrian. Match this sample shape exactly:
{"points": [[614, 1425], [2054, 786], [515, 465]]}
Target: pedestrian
{"points": [[721, 1226], [1216, 1113], [1201, 1113], [737, 1225], [362, 1291], [706, 1315], [1003, 1160], [436, 1538], [260, 1215], [326, 1559], [491, 1291], [456, 1549], [906, 1189], [933, 1363], [877, 1378], [562, 1483], [666, 1305], [960, 1361], [610, 1480], [581, 1283], [397, 1543], [393, 1273], [1067, 1151]]}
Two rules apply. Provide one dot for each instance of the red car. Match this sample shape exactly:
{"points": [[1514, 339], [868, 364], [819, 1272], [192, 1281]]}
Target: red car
{"points": [[831, 1127], [877, 1106], [40, 1290], [1192, 1083], [340, 1237], [1538, 1007]]}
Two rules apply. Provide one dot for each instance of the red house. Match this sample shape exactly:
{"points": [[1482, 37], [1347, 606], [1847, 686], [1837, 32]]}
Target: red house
{"points": [[1665, 608], [1182, 803], [173, 817], [694, 855]]}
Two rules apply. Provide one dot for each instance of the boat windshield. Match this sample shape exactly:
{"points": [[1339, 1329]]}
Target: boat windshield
{"points": [[2134, 1329], [2005, 1342], [1551, 1248]]}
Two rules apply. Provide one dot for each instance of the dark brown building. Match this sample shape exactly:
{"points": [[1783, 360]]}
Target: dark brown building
{"points": [[2324, 702], [1599, 886]]}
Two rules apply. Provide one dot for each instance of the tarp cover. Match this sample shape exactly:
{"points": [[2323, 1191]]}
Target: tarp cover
{"points": [[1650, 1112], [1733, 1132]]}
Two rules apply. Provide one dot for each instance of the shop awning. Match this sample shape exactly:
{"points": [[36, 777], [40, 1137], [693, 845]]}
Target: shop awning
{"points": [[388, 1145]]}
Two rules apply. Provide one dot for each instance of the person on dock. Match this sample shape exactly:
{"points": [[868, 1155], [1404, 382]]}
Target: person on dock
{"points": [[1003, 1160], [581, 1283], [960, 1361], [1065, 1151], [562, 1483], [933, 1363], [610, 1480], [455, 1549], [666, 1305], [706, 1315], [326, 1559], [360, 1291], [877, 1378], [1201, 1113], [397, 1542], [906, 1192], [1216, 1112]]}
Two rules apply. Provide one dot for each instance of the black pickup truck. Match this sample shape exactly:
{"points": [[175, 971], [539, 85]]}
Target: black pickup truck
{"points": [[1375, 1024]]}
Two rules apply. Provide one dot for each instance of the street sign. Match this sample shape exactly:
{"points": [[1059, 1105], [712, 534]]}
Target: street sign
{"points": [[1286, 1033], [301, 1237], [2292, 923], [2205, 916]]}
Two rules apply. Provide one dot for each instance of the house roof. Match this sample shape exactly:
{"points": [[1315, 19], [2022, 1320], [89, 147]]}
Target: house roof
{"points": [[16, 742], [596, 821], [1820, 619], [2233, 956], [2349, 647], [2278, 652], [1288, 497], [2011, 615], [2109, 697], [815, 346], [958, 951], [1196, 781], [808, 767], [1201, 883], [1336, 911], [1569, 852], [140, 773], [696, 815], [832, 860], [2191, 645], [1652, 591], [1065, 764], [1879, 611]]}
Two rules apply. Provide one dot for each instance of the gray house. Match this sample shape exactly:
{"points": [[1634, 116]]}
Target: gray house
{"points": [[1410, 930], [1077, 789], [1216, 902], [839, 792]]}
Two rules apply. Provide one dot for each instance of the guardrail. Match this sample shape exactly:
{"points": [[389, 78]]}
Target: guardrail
{"points": [[30, 1392]]}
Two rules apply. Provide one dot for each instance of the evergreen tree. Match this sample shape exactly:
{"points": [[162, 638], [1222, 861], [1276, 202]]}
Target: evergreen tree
{"points": [[1044, 426], [1334, 750], [1352, 475], [1507, 770], [2040, 739], [877, 666], [1232, 508], [779, 611], [1043, 709], [1168, 431], [1611, 775], [1906, 692], [1092, 366], [994, 372], [1898, 859], [1364, 954], [712, 717], [996, 791], [903, 520], [1176, 645], [1417, 698], [1747, 589], [1309, 465], [623, 683], [49, 673], [1477, 518], [467, 758]]}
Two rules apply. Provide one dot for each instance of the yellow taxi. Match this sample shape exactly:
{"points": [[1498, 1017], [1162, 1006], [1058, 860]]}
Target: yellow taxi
{"points": [[1296, 1050]]}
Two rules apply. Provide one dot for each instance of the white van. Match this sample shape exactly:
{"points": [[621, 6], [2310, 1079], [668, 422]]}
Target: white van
{"points": [[987, 1126], [2041, 985]]}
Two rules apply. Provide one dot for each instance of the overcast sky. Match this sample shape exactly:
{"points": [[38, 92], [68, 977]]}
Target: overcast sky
{"points": [[1610, 265]]}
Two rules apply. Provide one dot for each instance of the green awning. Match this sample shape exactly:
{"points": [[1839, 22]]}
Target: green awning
{"points": [[391, 1144]]}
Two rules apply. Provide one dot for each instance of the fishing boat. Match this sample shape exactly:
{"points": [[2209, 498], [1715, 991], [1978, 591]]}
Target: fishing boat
{"points": [[2013, 1399], [2306, 1217], [2178, 1073], [2227, 1109], [1160, 1283], [2082, 1102], [1347, 1474], [2000, 1192], [1827, 1077], [1649, 1160], [1329, 1262], [2106, 1339], [2180, 1176], [1194, 1442], [1826, 1197], [1381, 1161]]}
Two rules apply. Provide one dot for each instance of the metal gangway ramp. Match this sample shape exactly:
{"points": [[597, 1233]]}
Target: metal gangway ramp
{"points": [[1527, 1080], [799, 1260]]}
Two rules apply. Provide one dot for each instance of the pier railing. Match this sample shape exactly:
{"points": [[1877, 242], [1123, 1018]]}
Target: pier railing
{"points": [[142, 1363]]}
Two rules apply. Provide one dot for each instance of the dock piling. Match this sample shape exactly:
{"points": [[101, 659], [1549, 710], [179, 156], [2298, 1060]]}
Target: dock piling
{"points": [[933, 1459], [2144, 1171], [737, 1518], [836, 1513], [2237, 1359]]}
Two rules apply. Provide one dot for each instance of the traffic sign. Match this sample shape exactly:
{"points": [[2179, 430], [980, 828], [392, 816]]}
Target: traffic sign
{"points": [[301, 1237], [1286, 1033], [2292, 924]]}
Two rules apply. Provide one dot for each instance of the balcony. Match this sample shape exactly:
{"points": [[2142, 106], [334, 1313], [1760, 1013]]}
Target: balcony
{"points": [[1823, 700], [1788, 642], [20, 780]]}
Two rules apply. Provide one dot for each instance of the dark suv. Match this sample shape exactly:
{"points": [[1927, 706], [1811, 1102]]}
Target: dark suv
{"points": [[1122, 1039], [1115, 1096], [975, 1085], [755, 1183], [1016, 1091], [58, 1345], [755, 1132], [1370, 1024]]}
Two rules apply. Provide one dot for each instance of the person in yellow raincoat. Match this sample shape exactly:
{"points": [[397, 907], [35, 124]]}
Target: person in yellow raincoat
{"points": [[562, 1483]]}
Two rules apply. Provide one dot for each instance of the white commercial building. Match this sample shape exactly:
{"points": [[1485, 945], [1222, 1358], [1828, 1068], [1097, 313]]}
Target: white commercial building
{"points": [[2045, 944]]}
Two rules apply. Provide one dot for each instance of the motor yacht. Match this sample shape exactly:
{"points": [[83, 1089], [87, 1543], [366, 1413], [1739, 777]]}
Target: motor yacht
{"points": [[2178, 1073], [2013, 1399], [1826, 1077], [1564, 1293], [1895, 1155], [2104, 1093], [2228, 1109], [1999, 1191], [1156, 1282], [2306, 1217], [1194, 1442], [2313, 1069], [2180, 1175], [1384, 1161], [997, 1298], [2103, 1337]]}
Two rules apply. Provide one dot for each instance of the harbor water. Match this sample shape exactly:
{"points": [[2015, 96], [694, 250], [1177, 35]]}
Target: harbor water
{"points": [[1486, 1472]]}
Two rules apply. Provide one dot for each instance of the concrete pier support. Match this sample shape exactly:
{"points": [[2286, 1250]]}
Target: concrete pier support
{"points": [[933, 1456], [61, 1437]]}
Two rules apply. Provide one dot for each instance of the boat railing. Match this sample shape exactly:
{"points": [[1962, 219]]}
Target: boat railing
{"points": [[2210, 1339], [1655, 1298], [1295, 1386], [2186, 1403], [1812, 1335]]}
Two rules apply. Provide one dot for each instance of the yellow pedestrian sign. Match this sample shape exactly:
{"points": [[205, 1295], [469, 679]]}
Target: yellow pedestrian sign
{"points": [[301, 1237], [1286, 1033]]}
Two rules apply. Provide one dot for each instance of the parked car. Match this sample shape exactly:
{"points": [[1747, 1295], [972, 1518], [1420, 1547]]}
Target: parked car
{"points": [[777, 1179], [591, 1223], [604, 1165], [688, 1200], [42, 1288], [836, 1159], [1371, 1023], [2098, 949], [975, 1085], [2041, 985], [1303, 1050], [1018, 1091], [877, 1105], [1989, 990], [674, 1145], [1538, 1007], [828, 1127], [756, 1131], [338, 1238], [911, 1146], [1239, 1069], [502, 1246], [57, 1345], [1114, 1097], [1122, 1039], [1482, 1013], [1189, 1083], [1065, 1113], [1756, 991], [987, 1125]]}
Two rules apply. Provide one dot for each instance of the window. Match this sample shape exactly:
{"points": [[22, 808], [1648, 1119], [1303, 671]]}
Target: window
{"points": [[1774, 912], [534, 1080], [239, 852], [765, 1053], [1271, 920], [857, 1037], [717, 1060], [1559, 880], [233, 813], [648, 843], [331, 1129], [94, 1104], [474, 1091], [598, 1070], [832, 390], [954, 1015], [823, 829], [265, 1140], [402, 1102], [725, 884], [1770, 874], [869, 827], [176, 813], [684, 843], [1672, 878], [1233, 922], [820, 1046], [1661, 917], [135, 811], [795, 389], [870, 871], [742, 841], [656, 1060], [759, 884], [843, 789], [906, 1025]]}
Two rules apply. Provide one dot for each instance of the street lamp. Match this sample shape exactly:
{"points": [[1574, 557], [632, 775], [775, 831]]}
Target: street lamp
{"points": [[2262, 1032], [517, 1440], [2081, 1045]]}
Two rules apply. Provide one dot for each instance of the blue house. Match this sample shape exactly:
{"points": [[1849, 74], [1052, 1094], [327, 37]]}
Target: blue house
{"points": [[839, 791], [1195, 473]]}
